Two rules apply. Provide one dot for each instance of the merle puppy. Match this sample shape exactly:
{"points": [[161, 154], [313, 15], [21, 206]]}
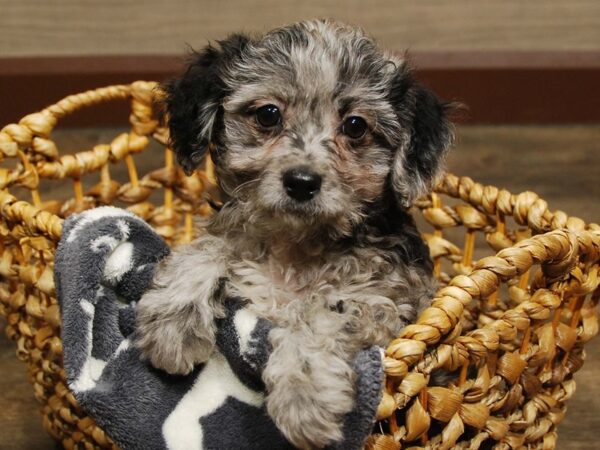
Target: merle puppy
{"points": [[321, 143]]}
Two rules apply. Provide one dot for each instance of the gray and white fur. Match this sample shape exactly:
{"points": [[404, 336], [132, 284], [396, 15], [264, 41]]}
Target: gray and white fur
{"points": [[321, 143]]}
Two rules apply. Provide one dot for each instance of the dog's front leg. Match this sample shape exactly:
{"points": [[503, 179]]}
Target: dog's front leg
{"points": [[176, 317], [310, 386]]}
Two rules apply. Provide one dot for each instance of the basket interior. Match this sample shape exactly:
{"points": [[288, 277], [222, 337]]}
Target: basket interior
{"points": [[517, 299]]}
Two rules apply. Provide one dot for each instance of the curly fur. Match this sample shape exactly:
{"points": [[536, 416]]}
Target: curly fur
{"points": [[339, 273]]}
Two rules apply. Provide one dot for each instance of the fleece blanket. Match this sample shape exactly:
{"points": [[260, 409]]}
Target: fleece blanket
{"points": [[104, 263]]}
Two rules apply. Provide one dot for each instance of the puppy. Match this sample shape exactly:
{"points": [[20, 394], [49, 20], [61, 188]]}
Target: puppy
{"points": [[321, 142]]}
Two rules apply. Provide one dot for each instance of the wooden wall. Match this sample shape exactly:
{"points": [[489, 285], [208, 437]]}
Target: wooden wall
{"points": [[116, 27], [509, 61]]}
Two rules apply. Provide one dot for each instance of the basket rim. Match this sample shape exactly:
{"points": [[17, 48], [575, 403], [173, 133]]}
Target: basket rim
{"points": [[526, 208]]}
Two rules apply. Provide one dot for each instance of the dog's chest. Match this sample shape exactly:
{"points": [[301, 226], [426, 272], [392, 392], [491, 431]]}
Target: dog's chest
{"points": [[272, 285], [269, 284]]}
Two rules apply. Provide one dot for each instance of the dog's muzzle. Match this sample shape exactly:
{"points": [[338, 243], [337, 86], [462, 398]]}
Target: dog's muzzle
{"points": [[301, 183]]}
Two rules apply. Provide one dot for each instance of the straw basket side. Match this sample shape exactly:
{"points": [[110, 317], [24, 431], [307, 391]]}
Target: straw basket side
{"points": [[512, 325]]}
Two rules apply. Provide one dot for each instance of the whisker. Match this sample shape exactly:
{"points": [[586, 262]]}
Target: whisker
{"points": [[245, 184]]}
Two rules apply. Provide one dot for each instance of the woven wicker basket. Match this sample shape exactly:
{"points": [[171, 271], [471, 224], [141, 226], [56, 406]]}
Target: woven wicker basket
{"points": [[513, 324]]}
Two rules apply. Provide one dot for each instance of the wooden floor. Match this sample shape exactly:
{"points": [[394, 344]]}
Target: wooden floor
{"points": [[562, 164]]}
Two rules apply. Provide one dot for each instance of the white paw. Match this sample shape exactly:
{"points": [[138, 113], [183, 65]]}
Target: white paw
{"points": [[306, 421], [175, 357], [174, 339], [308, 395]]}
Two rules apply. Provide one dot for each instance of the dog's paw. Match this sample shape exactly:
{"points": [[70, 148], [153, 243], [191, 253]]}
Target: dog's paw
{"points": [[308, 393], [174, 339], [305, 419], [175, 357]]}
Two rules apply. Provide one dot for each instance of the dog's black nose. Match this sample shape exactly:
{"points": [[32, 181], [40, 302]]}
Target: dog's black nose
{"points": [[301, 184]]}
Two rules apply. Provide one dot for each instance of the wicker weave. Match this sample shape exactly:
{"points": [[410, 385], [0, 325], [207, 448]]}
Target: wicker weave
{"points": [[513, 324]]}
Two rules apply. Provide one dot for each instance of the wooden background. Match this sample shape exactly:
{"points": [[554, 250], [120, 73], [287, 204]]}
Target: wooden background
{"points": [[509, 61], [561, 163], [114, 27]]}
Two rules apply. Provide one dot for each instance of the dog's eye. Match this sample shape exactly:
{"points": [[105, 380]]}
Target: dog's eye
{"points": [[268, 116], [354, 127]]}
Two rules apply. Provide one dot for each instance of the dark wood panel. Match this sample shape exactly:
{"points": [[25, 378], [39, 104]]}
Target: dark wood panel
{"points": [[30, 84], [520, 96], [502, 87]]}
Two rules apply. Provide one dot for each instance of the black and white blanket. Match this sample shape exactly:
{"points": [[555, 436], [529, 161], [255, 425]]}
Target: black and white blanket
{"points": [[104, 263]]}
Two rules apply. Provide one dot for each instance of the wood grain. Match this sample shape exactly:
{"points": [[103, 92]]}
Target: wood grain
{"points": [[93, 27], [559, 163], [20, 422]]}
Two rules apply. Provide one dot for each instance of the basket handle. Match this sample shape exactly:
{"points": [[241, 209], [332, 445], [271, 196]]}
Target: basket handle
{"points": [[32, 132], [31, 136]]}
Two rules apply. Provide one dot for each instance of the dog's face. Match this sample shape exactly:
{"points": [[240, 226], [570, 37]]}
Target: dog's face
{"points": [[310, 125]]}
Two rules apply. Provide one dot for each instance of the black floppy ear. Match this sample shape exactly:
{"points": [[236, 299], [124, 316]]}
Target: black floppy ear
{"points": [[430, 134], [193, 101]]}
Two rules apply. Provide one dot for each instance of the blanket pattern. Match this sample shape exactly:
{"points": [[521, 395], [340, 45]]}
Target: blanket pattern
{"points": [[104, 263]]}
